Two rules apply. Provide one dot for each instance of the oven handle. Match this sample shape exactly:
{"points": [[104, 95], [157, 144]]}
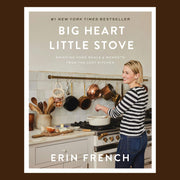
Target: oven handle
{"points": [[107, 154], [102, 135]]}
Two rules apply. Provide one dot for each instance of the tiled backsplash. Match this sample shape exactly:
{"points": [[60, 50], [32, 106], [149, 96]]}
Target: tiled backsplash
{"points": [[41, 87]]}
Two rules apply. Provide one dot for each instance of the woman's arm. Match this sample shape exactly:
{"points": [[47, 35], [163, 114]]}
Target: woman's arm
{"points": [[128, 100]]}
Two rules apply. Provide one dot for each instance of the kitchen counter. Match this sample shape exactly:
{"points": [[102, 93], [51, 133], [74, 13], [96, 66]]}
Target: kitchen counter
{"points": [[74, 134]]}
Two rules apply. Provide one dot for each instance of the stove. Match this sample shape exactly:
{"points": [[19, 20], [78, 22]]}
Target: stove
{"points": [[114, 124]]}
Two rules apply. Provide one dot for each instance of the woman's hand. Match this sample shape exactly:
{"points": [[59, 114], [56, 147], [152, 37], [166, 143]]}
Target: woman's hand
{"points": [[102, 108], [98, 107]]}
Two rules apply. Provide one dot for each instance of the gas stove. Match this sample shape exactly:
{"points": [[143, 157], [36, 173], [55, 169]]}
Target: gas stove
{"points": [[114, 124]]}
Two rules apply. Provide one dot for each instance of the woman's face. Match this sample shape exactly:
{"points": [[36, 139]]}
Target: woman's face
{"points": [[128, 76]]}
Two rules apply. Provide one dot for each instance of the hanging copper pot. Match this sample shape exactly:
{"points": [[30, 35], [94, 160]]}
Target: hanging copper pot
{"points": [[116, 99], [84, 101], [93, 91], [108, 92]]}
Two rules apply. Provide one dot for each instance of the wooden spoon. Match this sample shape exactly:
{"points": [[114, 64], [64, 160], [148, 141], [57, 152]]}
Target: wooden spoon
{"points": [[44, 106], [35, 108], [51, 108], [50, 102], [34, 101], [40, 105]]}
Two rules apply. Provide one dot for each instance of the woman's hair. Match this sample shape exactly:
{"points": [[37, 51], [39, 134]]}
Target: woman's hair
{"points": [[136, 68]]}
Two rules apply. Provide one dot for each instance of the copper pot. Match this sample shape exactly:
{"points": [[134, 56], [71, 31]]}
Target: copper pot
{"points": [[108, 92], [93, 91], [84, 101], [116, 99], [146, 88]]}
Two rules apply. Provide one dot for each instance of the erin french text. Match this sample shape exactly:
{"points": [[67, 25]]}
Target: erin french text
{"points": [[90, 157]]}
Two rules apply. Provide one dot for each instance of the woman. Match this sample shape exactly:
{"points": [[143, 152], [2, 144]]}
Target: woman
{"points": [[133, 139]]}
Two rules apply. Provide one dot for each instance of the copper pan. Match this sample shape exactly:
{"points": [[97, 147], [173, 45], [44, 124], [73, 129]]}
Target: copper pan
{"points": [[108, 92], [93, 91], [84, 101]]}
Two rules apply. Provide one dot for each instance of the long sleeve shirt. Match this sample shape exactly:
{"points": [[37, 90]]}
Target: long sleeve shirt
{"points": [[132, 106]]}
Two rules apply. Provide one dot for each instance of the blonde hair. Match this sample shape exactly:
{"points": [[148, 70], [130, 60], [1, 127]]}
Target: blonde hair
{"points": [[136, 68]]}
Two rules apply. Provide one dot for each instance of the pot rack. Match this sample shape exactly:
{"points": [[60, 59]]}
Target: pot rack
{"points": [[86, 78], [90, 78]]}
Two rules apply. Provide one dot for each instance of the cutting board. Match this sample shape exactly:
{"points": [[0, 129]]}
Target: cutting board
{"points": [[47, 134]]}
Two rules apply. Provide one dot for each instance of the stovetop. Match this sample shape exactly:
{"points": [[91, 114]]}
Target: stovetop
{"points": [[114, 124]]}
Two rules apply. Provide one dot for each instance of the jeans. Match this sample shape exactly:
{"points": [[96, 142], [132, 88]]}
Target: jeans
{"points": [[130, 152]]}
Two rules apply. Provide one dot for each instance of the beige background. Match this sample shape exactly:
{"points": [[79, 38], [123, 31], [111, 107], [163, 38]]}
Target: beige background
{"points": [[42, 30]]}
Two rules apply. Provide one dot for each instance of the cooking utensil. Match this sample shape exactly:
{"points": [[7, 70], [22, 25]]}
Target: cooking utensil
{"points": [[93, 91], [52, 109], [34, 101], [40, 105], [117, 98], [98, 120], [71, 102], [58, 94], [84, 101], [35, 108], [44, 106], [53, 105], [50, 102], [68, 92], [146, 88], [122, 90], [108, 92]]}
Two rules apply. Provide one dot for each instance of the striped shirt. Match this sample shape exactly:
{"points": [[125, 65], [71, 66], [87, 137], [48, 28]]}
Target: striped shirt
{"points": [[132, 106]]}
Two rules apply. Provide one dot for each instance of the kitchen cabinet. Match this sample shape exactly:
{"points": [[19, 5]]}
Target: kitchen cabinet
{"points": [[147, 155], [60, 154]]}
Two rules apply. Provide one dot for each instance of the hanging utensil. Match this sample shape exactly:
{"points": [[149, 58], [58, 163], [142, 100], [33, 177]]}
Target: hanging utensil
{"points": [[93, 92], [108, 92], [116, 99], [122, 90], [146, 88], [68, 91], [58, 94], [84, 101], [71, 102]]}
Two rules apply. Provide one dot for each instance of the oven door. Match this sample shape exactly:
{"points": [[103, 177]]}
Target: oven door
{"points": [[105, 159]]}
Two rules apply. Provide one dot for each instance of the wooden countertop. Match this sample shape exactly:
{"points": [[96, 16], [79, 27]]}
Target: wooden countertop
{"points": [[74, 134]]}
